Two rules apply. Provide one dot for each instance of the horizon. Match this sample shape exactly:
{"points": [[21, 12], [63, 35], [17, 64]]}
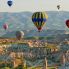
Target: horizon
{"points": [[32, 11]]}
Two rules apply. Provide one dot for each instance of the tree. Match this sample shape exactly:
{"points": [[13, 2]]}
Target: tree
{"points": [[5, 68]]}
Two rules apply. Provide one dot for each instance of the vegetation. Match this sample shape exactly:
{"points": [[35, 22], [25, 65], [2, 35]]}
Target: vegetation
{"points": [[5, 68]]}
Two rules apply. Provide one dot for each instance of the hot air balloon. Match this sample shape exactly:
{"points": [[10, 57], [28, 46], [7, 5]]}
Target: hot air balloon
{"points": [[19, 34], [39, 19], [10, 3], [58, 6], [5, 26], [67, 23]]}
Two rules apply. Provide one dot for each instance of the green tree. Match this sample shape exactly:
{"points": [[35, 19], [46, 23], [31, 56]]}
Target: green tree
{"points": [[5, 68], [19, 67]]}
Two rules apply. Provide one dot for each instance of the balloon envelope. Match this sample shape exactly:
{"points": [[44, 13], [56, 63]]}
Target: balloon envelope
{"points": [[9, 3], [19, 34], [39, 19], [5, 26], [58, 6], [67, 23]]}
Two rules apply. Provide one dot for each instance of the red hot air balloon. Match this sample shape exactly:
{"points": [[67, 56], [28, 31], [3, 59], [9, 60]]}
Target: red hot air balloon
{"points": [[5, 26], [67, 23]]}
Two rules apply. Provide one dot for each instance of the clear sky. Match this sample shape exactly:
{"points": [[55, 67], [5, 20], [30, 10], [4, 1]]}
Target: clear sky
{"points": [[34, 5]]}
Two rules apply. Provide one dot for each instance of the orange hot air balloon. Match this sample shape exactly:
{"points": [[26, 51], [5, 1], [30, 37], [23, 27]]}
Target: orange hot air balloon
{"points": [[67, 23]]}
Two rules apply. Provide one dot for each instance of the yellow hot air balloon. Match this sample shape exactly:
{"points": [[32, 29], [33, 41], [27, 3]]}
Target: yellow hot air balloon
{"points": [[39, 19]]}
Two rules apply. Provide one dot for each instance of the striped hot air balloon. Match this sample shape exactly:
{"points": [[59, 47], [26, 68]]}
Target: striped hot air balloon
{"points": [[39, 19]]}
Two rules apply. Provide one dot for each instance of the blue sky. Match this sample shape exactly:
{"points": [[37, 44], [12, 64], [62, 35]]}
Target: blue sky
{"points": [[34, 5]]}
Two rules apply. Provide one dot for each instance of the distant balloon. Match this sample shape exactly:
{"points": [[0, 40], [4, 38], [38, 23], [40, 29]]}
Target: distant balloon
{"points": [[10, 3], [39, 19], [67, 23], [5, 26], [19, 34], [58, 6]]}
